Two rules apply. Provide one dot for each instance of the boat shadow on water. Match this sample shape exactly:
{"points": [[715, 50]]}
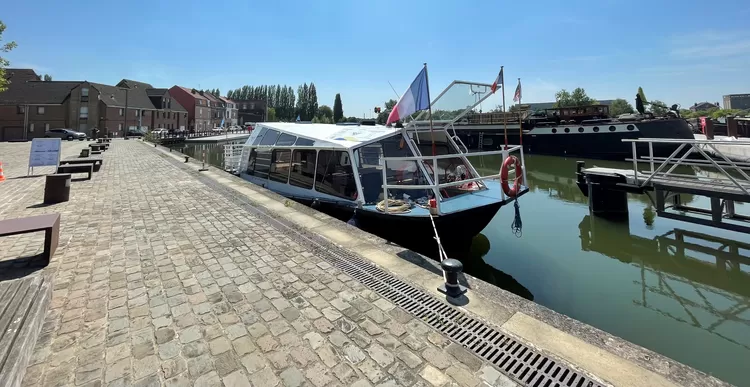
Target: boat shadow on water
{"points": [[684, 275]]}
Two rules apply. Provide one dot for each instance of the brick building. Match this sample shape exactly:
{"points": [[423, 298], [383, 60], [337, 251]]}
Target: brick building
{"points": [[737, 101], [198, 109], [230, 112], [250, 111]]}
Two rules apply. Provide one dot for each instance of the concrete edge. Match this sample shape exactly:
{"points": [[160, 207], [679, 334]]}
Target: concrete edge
{"points": [[602, 354]]}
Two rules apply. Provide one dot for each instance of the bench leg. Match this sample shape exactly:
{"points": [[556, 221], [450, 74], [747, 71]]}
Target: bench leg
{"points": [[51, 238]]}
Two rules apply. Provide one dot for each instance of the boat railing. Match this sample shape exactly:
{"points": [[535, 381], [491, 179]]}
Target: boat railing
{"points": [[437, 186], [232, 157], [730, 174]]}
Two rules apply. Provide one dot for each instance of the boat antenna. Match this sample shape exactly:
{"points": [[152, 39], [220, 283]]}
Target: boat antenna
{"points": [[394, 91]]}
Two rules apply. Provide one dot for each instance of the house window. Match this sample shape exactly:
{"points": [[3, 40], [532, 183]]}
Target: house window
{"points": [[136, 112], [302, 173], [280, 161], [120, 112], [31, 127], [244, 106], [84, 92], [119, 127], [333, 174], [40, 110], [21, 109], [84, 112], [201, 112], [46, 127]]}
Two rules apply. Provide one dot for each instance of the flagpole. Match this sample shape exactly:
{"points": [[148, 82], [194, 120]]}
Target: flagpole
{"points": [[520, 120], [429, 105], [505, 118]]}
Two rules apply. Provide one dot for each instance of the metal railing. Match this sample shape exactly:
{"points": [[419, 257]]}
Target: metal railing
{"points": [[731, 174], [233, 157], [188, 134], [437, 186]]}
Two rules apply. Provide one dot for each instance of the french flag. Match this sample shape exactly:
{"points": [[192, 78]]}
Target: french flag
{"points": [[415, 98], [499, 80]]}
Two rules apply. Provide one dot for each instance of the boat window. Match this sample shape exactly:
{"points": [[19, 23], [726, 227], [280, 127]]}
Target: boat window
{"points": [[304, 142], [259, 163], [270, 137], [333, 174], [280, 165], [303, 168], [449, 170], [260, 135], [286, 140]]}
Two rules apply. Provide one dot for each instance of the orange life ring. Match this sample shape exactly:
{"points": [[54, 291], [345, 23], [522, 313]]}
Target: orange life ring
{"points": [[512, 160]]}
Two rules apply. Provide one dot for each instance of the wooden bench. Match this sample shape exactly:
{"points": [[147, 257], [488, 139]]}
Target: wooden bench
{"points": [[77, 168], [84, 160], [24, 303], [84, 152], [49, 223]]}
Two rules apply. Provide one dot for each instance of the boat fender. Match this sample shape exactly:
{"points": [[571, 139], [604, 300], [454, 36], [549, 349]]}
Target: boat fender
{"points": [[511, 191]]}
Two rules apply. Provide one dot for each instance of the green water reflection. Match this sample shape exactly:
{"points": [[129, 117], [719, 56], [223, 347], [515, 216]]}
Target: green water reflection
{"points": [[679, 289]]}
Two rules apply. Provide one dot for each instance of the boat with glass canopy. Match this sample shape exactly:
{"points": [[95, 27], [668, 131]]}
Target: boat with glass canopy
{"points": [[426, 174]]}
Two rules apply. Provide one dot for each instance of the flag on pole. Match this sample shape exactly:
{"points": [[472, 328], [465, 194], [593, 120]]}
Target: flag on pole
{"points": [[414, 99], [298, 117], [517, 95], [498, 81]]}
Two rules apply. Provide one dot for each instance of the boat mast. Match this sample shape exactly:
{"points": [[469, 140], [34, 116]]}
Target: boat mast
{"points": [[505, 118]]}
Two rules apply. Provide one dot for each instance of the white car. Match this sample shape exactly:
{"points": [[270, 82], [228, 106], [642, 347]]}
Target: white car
{"points": [[159, 131], [217, 130]]}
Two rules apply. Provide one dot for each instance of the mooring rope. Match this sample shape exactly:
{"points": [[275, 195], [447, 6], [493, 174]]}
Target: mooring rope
{"points": [[395, 206], [517, 225]]}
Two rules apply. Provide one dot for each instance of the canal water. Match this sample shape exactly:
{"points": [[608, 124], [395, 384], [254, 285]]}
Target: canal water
{"points": [[679, 289]]}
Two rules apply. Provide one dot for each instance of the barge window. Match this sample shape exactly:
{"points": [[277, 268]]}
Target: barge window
{"points": [[304, 142], [260, 135], [333, 174], [286, 140], [259, 163], [303, 168], [280, 163], [270, 137]]}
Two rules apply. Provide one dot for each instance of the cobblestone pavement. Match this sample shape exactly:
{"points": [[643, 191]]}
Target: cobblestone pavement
{"points": [[161, 281]]}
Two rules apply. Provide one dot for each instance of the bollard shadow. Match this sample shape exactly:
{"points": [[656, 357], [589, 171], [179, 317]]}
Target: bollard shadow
{"points": [[461, 300], [26, 177], [41, 205]]}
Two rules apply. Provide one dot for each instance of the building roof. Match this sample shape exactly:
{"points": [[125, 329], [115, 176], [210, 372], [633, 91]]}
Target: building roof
{"points": [[211, 97], [131, 84], [36, 92], [194, 93], [22, 75], [115, 96], [329, 135], [155, 92]]}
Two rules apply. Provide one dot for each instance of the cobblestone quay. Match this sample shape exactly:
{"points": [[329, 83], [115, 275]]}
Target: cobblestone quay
{"points": [[159, 280]]}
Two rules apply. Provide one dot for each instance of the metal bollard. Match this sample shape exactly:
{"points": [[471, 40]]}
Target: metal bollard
{"points": [[186, 158], [452, 268]]}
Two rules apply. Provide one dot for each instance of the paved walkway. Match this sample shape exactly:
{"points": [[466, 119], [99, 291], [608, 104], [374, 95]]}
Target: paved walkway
{"points": [[159, 280]]}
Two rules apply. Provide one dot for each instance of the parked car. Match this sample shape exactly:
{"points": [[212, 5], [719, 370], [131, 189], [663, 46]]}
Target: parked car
{"points": [[159, 132], [68, 134], [133, 133]]}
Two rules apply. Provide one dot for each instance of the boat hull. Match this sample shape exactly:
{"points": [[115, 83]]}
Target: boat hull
{"points": [[589, 141]]}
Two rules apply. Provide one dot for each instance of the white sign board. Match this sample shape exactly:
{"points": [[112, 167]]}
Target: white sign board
{"points": [[45, 152]]}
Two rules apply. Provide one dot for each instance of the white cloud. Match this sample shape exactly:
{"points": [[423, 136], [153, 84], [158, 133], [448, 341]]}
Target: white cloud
{"points": [[710, 44]]}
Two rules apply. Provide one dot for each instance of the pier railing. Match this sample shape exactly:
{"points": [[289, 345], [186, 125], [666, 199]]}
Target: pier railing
{"points": [[186, 134], [233, 157], [731, 175], [433, 162]]}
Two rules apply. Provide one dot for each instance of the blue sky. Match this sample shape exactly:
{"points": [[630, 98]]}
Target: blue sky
{"points": [[678, 53]]}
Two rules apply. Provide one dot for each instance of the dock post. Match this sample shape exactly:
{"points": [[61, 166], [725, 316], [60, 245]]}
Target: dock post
{"points": [[606, 202], [452, 268]]}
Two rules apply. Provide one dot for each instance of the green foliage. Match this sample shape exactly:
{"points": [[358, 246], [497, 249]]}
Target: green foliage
{"points": [[718, 113], [352, 119], [642, 94], [658, 108], [338, 109], [620, 106], [271, 115], [7, 47], [383, 116], [280, 98], [47, 77], [316, 120], [325, 111], [312, 101], [578, 97]]}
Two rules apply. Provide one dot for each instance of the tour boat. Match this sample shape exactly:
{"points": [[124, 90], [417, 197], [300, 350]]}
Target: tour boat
{"points": [[428, 179]]}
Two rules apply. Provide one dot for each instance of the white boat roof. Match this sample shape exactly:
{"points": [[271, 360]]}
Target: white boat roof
{"points": [[328, 135]]}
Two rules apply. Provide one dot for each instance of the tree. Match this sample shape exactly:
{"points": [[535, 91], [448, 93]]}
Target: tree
{"points": [[325, 111], [726, 112], [658, 108], [47, 77], [338, 109], [578, 97], [271, 117], [217, 92], [312, 101], [620, 106], [642, 94], [7, 47], [352, 119], [383, 116]]}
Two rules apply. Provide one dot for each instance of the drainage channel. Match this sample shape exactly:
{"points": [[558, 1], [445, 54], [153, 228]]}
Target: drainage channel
{"points": [[515, 359]]}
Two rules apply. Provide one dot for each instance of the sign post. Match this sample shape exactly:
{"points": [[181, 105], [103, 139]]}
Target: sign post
{"points": [[44, 152]]}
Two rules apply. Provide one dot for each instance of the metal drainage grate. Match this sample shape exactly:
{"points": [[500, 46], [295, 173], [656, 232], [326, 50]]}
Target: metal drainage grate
{"points": [[515, 359]]}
